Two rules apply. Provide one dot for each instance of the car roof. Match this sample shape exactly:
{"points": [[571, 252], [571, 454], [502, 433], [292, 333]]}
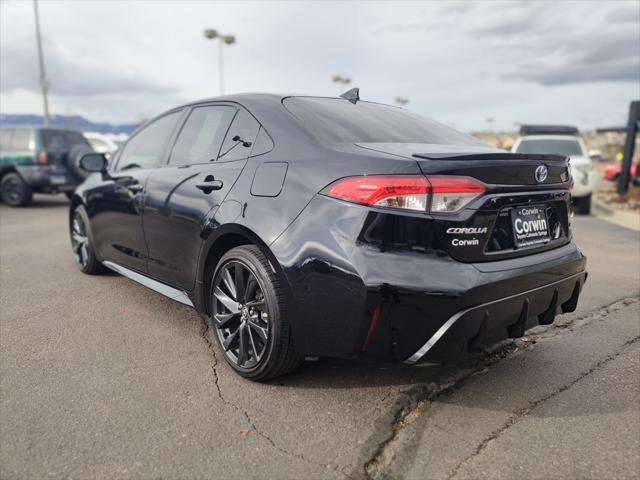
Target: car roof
{"points": [[550, 137]]}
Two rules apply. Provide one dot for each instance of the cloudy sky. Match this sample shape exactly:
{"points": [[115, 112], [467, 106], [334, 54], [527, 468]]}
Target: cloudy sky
{"points": [[458, 62]]}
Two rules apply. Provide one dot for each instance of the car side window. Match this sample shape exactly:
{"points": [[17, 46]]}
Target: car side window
{"points": [[145, 149], [201, 137], [263, 143], [240, 137]]}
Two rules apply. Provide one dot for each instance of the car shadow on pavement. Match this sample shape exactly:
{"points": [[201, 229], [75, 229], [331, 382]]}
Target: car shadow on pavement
{"points": [[329, 373]]}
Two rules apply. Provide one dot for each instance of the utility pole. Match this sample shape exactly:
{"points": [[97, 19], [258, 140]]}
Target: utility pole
{"points": [[43, 76], [223, 39]]}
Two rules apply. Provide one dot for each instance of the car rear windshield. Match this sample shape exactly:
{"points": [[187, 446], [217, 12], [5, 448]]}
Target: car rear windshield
{"points": [[336, 120], [551, 146], [61, 141]]}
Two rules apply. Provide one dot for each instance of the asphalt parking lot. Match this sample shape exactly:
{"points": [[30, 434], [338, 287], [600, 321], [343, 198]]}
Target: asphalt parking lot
{"points": [[102, 378]]}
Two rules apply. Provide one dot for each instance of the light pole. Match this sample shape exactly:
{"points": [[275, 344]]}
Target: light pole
{"points": [[43, 77], [342, 82], [229, 40]]}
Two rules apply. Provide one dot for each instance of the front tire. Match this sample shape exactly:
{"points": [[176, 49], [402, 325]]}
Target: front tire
{"points": [[83, 249], [14, 191], [583, 205], [249, 316]]}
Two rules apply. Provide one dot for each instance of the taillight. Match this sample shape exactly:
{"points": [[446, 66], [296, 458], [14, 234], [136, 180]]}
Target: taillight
{"points": [[43, 158], [396, 192], [450, 194], [424, 194]]}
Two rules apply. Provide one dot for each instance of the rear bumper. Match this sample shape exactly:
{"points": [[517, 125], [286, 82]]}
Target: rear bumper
{"points": [[484, 304], [48, 178], [474, 328]]}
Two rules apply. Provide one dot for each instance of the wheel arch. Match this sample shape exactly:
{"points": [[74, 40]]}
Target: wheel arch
{"points": [[10, 169], [227, 237]]}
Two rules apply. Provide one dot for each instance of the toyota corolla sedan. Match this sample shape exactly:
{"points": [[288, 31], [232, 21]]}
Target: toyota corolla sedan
{"points": [[310, 226]]}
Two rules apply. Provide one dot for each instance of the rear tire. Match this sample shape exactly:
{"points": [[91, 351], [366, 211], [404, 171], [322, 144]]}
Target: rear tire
{"points": [[583, 205], [249, 316], [14, 191], [81, 243]]}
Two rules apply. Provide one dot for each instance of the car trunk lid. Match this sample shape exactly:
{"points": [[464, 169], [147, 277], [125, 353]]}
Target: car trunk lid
{"points": [[523, 192]]}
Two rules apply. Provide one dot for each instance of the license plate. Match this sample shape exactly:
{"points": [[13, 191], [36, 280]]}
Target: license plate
{"points": [[57, 179], [530, 226]]}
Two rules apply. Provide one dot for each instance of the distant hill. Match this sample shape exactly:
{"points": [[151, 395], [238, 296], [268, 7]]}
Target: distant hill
{"points": [[75, 122]]}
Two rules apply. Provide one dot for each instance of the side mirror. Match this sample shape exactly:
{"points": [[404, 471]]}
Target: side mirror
{"points": [[94, 162]]}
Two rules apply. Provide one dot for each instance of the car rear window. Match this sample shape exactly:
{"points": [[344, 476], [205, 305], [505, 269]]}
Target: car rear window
{"points": [[61, 141], [336, 120], [551, 146]]}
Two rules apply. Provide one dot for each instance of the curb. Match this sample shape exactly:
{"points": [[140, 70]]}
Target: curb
{"points": [[624, 219]]}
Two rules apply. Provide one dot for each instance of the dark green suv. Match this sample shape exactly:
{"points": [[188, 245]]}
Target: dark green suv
{"points": [[39, 160]]}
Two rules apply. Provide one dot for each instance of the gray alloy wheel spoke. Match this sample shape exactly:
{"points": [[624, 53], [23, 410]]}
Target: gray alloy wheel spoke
{"points": [[253, 345], [226, 300], [80, 239], [261, 331], [240, 283], [228, 281], [250, 293], [230, 340], [223, 318], [255, 303], [243, 348], [85, 254]]}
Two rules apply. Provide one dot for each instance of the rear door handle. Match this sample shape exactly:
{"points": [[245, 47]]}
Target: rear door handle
{"points": [[209, 184]]}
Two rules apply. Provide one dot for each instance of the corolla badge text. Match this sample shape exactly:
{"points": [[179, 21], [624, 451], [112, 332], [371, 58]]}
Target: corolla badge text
{"points": [[466, 230]]}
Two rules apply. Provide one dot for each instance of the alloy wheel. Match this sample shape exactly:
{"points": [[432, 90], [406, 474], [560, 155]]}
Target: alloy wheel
{"points": [[80, 240], [240, 314], [12, 189]]}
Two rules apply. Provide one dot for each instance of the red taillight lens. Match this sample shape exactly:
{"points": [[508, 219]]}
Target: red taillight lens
{"points": [[396, 192], [444, 194], [43, 159], [450, 194]]}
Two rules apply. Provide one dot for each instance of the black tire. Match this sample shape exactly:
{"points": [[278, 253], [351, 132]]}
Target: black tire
{"points": [[73, 160], [583, 205], [261, 306], [82, 244], [14, 191]]}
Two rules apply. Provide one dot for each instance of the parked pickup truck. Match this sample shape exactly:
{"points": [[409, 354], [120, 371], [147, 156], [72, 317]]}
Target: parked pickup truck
{"points": [[39, 160]]}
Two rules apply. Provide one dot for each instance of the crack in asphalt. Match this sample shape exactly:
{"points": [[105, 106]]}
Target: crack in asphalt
{"points": [[417, 400], [205, 335], [523, 412]]}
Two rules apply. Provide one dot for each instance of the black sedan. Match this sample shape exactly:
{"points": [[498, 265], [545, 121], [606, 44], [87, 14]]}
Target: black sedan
{"points": [[311, 226]]}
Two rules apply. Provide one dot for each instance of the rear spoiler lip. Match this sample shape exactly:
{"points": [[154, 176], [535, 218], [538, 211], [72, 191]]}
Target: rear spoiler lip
{"points": [[491, 156]]}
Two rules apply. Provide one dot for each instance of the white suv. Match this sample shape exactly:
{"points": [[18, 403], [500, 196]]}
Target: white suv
{"points": [[572, 146]]}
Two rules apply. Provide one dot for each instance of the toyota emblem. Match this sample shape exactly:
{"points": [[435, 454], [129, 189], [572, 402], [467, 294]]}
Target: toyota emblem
{"points": [[541, 173]]}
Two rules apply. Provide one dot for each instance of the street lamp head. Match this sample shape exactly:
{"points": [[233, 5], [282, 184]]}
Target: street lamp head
{"points": [[343, 80], [210, 34], [228, 39]]}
